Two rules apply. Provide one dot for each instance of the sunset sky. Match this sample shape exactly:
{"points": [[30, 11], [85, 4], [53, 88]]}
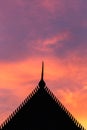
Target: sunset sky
{"points": [[53, 31]]}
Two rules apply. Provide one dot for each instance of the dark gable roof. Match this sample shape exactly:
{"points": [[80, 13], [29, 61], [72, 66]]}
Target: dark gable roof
{"points": [[41, 110]]}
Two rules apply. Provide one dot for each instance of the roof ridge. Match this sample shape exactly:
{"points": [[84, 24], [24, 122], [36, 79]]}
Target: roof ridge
{"points": [[64, 108]]}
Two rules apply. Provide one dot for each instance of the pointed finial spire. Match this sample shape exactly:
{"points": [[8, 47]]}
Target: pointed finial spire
{"points": [[42, 83], [42, 74]]}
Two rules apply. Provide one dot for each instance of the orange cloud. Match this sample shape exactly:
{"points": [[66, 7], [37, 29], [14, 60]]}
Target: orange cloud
{"points": [[22, 77], [75, 102]]}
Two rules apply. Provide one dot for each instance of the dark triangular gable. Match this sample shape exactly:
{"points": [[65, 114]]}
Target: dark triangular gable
{"points": [[41, 110]]}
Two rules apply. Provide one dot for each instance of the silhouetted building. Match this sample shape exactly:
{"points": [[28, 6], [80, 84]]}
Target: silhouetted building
{"points": [[41, 110]]}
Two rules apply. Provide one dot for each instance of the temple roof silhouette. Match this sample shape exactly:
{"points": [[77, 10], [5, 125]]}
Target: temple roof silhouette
{"points": [[41, 110]]}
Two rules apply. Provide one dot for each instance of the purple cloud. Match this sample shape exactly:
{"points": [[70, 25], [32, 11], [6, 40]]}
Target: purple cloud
{"points": [[24, 22]]}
